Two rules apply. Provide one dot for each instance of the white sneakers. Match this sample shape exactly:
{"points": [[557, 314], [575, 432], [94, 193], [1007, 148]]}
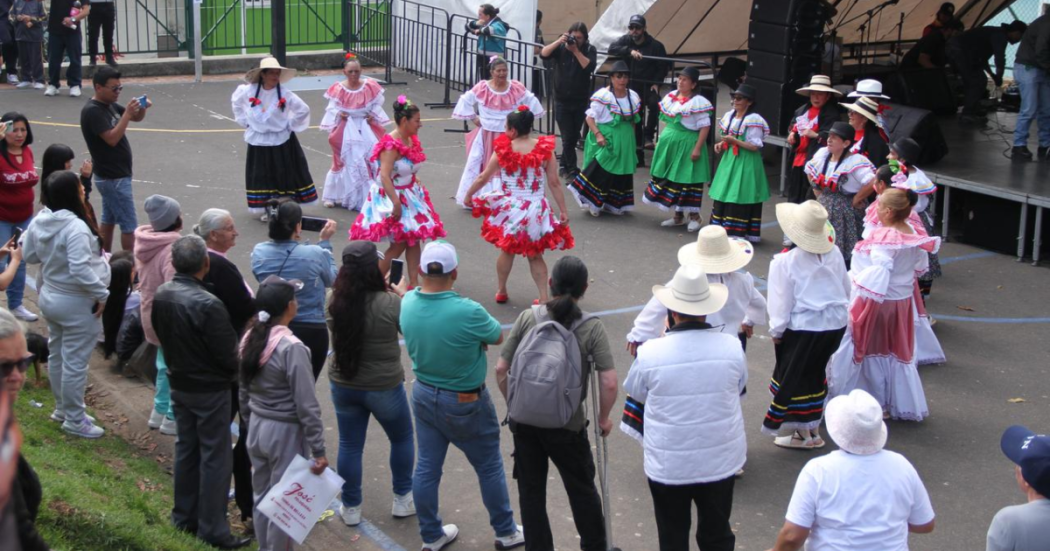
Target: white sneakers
{"points": [[26, 84], [672, 222], [404, 506], [74, 92], [51, 91], [155, 419], [57, 417], [351, 515], [83, 428], [517, 539], [694, 226], [24, 314], [451, 531], [12, 79], [168, 427], [158, 420], [38, 85]]}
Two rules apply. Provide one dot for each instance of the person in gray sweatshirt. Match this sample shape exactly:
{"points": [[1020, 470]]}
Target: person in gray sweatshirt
{"points": [[75, 286], [278, 400]]}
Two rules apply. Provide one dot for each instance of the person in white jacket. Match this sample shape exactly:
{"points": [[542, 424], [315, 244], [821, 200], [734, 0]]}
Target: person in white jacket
{"points": [[75, 285], [723, 259], [690, 381]]}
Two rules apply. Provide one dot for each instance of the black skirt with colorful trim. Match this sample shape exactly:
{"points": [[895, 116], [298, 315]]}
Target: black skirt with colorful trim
{"points": [[274, 172], [669, 196], [799, 385], [597, 189], [739, 220]]}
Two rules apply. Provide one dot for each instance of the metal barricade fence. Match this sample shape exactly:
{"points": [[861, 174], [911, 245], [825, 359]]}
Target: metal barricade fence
{"points": [[230, 27], [144, 27]]}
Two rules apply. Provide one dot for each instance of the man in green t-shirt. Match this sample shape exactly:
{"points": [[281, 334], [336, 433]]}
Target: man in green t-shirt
{"points": [[446, 336]]}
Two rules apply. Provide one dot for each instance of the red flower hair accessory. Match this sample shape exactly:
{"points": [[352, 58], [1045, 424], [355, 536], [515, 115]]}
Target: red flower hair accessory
{"points": [[523, 108], [350, 56]]}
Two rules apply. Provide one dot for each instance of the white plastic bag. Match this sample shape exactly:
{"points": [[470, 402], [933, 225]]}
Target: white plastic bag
{"points": [[296, 503]]}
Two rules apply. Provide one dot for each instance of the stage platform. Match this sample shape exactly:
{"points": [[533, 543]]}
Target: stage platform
{"points": [[977, 162]]}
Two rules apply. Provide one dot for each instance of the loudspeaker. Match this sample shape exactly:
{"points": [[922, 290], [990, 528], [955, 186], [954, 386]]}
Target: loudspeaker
{"points": [[732, 72], [797, 13], [776, 102], [782, 68], [780, 39], [920, 125], [926, 89]]}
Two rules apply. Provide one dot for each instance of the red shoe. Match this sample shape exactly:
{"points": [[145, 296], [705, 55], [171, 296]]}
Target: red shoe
{"points": [[502, 298]]}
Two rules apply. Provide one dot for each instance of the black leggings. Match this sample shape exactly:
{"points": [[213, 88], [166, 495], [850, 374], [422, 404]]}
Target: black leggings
{"points": [[315, 337]]}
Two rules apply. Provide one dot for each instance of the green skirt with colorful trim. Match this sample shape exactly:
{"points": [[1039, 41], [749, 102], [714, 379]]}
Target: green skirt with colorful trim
{"points": [[619, 155], [740, 178], [672, 159]]}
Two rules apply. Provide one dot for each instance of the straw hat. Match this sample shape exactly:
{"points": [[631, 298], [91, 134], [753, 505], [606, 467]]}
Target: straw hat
{"points": [[806, 225], [855, 423], [867, 108], [269, 62], [689, 293], [818, 83], [715, 252], [868, 88]]}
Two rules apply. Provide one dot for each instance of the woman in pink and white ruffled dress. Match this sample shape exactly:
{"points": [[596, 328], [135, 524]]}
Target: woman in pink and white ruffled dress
{"points": [[354, 121], [487, 105], [878, 352]]}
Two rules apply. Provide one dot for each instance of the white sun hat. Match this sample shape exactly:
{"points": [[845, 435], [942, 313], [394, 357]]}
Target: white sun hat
{"points": [[269, 62], [855, 423], [689, 293], [868, 88], [716, 252], [818, 83], [806, 225]]}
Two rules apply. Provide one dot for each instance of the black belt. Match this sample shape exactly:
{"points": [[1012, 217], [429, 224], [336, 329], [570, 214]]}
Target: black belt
{"points": [[471, 391]]}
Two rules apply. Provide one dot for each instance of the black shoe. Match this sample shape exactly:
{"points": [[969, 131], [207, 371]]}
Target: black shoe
{"points": [[93, 61], [1043, 154], [231, 542], [111, 62], [1021, 152]]}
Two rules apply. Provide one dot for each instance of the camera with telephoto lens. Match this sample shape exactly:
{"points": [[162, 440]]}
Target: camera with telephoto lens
{"points": [[472, 26], [570, 39]]}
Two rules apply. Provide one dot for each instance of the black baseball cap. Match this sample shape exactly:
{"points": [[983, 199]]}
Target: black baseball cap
{"points": [[637, 20]]}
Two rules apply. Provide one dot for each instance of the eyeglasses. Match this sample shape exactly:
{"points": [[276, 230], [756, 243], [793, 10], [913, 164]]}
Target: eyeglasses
{"points": [[21, 365]]}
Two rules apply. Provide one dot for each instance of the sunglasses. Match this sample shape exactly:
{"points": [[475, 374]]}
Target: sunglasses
{"points": [[116, 88], [22, 365], [634, 28]]}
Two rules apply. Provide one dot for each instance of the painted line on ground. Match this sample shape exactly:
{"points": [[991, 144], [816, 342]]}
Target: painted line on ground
{"points": [[971, 256], [195, 131], [378, 537]]}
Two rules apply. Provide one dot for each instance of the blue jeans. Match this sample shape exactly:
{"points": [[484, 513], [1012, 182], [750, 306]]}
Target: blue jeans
{"points": [[162, 395], [17, 288], [1035, 104], [58, 46], [442, 419], [118, 203], [352, 411]]}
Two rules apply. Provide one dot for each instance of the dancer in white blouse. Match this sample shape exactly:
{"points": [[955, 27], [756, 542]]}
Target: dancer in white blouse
{"points": [[276, 165], [354, 121]]}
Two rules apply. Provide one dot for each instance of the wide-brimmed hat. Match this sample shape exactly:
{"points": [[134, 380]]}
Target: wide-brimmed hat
{"points": [[1031, 452], [716, 252], [870, 88], [745, 90], [855, 423], [818, 83], [689, 293], [619, 66], [806, 225], [865, 107], [843, 130], [269, 62]]}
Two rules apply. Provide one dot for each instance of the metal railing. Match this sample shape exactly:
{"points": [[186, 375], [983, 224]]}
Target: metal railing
{"points": [[244, 26], [143, 27]]}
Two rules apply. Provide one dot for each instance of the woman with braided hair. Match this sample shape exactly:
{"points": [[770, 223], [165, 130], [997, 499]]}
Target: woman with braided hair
{"points": [[276, 166]]}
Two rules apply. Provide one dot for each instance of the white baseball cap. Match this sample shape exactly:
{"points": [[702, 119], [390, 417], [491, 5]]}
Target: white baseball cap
{"points": [[438, 252]]}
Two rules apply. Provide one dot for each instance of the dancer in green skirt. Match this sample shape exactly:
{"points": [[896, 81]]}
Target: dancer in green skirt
{"points": [[680, 166], [740, 186], [609, 156]]}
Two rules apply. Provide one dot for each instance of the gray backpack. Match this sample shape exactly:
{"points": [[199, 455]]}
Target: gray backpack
{"points": [[546, 382]]}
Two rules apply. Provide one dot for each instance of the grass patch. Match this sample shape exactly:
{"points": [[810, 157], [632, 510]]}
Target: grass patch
{"points": [[98, 494]]}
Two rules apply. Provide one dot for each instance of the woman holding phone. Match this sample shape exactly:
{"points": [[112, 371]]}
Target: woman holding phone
{"points": [[18, 177], [65, 242], [284, 255]]}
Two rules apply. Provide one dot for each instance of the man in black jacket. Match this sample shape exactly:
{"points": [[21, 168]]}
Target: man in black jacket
{"points": [[969, 53], [201, 351], [573, 58], [647, 75]]}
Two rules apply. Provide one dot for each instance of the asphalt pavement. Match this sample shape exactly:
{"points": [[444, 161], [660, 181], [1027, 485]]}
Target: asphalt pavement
{"points": [[994, 325]]}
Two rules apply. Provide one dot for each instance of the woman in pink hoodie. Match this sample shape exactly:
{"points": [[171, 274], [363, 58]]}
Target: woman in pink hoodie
{"points": [[153, 265]]}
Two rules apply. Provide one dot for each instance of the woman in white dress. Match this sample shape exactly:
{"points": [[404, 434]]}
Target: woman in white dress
{"points": [[354, 120], [487, 105], [878, 351], [276, 165]]}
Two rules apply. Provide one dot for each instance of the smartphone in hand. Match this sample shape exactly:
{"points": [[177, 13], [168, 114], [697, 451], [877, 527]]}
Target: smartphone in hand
{"points": [[397, 270], [313, 223], [16, 235], [143, 101]]}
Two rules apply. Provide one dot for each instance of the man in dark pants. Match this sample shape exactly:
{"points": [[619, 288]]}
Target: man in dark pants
{"points": [[201, 351], [7, 42], [646, 74], [574, 59], [104, 17], [64, 39], [969, 53]]}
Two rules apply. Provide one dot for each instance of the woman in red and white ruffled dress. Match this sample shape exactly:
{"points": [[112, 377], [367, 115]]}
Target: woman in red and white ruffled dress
{"points": [[354, 121], [487, 105], [878, 351], [518, 218], [410, 220]]}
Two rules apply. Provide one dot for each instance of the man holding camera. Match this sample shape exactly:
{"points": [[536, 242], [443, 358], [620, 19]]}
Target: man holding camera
{"points": [[574, 59], [636, 47]]}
